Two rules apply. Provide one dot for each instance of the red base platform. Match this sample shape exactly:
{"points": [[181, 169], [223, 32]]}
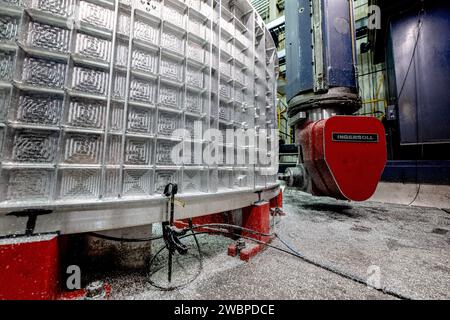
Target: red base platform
{"points": [[257, 218], [30, 265], [29, 268]]}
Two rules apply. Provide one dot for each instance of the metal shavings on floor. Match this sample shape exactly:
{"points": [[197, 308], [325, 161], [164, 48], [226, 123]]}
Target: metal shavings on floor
{"points": [[404, 249]]}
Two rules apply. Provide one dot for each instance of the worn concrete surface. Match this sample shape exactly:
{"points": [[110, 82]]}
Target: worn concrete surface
{"points": [[423, 195], [405, 249]]}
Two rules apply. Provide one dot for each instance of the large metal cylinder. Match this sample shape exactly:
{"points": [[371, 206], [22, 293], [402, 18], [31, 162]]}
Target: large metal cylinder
{"points": [[93, 92], [320, 59]]}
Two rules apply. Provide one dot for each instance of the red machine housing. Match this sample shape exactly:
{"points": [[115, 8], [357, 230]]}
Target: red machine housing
{"points": [[345, 156]]}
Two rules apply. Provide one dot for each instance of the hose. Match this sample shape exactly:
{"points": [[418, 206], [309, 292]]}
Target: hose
{"points": [[331, 269], [339, 272], [232, 226], [105, 237], [152, 260], [211, 229]]}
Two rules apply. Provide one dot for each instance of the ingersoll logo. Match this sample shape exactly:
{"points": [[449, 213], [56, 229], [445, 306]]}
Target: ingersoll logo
{"points": [[355, 137]]}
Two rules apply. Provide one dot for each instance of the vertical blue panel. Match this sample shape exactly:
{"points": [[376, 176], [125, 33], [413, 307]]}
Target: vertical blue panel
{"points": [[298, 48], [422, 79], [338, 43]]}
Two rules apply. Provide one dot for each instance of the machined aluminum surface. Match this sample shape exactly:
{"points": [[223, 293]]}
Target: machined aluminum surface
{"points": [[92, 90], [79, 218]]}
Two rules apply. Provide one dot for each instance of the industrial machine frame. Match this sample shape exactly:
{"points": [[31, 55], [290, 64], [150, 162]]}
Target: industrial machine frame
{"points": [[91, 91]]}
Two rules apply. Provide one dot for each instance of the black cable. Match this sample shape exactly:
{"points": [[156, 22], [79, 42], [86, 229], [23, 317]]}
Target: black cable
{"points": [[171, 288], [294, 253], [135, 240], [419, 30], [105, 237], [194, 234], [200, 258], [417, 193], [341, 273], [420, 25], [227, 225], [191, 228]]}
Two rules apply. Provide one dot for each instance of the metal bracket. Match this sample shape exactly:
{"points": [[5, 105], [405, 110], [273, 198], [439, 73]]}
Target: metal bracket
{"points": [[259, 197], [299, 117], [32, 215], [171, 234], [320, 83]]}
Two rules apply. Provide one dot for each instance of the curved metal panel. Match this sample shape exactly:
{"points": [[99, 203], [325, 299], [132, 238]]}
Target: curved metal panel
{"points": [[92, 91]]}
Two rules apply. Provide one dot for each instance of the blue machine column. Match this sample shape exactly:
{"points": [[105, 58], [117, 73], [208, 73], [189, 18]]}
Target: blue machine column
{"points": [[320, 59]]}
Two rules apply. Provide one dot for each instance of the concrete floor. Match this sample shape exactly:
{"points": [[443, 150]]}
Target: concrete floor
{"points": [[405, 249]]}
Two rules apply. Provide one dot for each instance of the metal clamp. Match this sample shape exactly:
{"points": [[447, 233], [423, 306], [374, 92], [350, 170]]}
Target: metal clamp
{"points": [[32, 215], [171, 234]]}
